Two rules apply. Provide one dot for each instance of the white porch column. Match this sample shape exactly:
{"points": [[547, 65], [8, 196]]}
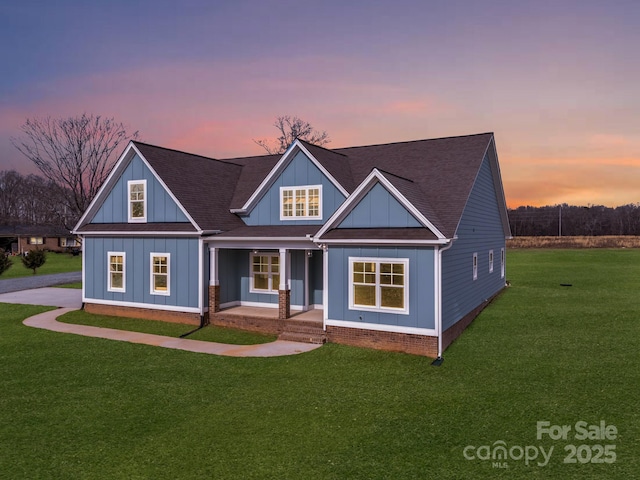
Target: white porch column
{"points": [[213, 267], [284, 293], [214, 282], [285, 270]]}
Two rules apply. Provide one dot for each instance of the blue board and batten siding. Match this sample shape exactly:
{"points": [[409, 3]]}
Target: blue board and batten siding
{"points": [[379, 209], [421, 286], [160, 206], [183, 273], [300, 172], [480, 230]]}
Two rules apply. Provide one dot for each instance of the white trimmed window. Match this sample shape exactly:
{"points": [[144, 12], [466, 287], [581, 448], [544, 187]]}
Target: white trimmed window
{"points": [[35, 240], [475, 266], [137, 200], [116, 280], [502, 263], [265, 273], [490, 261], [298, 203], [379, 284], [160, 274]]}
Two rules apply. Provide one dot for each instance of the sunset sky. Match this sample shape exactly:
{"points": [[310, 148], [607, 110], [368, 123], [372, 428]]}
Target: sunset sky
{"points": [[557, 81]]}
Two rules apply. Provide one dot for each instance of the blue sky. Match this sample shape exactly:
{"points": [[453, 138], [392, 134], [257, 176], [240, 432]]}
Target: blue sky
{"points": [[556, 81]]}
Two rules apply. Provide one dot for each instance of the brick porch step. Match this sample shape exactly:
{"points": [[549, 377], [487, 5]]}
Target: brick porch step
{"points": [[303, 331]]}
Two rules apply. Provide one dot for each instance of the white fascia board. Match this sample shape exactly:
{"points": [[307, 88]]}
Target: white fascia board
{"points": [[167, 189], [498, 185], [372, 241], [277, 170], [430, 332], [107, 184], [141, 234], [293, 243], [362, 189]]}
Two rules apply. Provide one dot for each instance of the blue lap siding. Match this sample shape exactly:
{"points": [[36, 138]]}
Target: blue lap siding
{"points": [[480, 230]]}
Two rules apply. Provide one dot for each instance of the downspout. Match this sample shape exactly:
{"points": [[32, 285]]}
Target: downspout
{"points": [[438, 361]]}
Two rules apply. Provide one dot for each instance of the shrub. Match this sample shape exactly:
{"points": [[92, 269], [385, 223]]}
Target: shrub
{"points": [[5, 262], [34, 259]]}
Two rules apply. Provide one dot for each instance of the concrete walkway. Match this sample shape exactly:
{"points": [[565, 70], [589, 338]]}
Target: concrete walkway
{"points": [[38, 281], [47, 321], [71, 299]]}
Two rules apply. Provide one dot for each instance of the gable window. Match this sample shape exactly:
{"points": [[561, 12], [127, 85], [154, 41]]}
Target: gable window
{"points": [[116, 278], [160, 284], [301, 202], [35, 240], [137, 200], [490, 261], [502, 263], [379, 284], [475, 266], [265, 273]]}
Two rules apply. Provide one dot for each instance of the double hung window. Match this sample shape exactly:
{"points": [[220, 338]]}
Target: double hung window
{"points": [[137, 200], [160, 270], [379, 284], [116, 268], [265, 272]]}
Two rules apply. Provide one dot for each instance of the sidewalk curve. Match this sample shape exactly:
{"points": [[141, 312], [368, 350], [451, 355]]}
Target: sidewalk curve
{"points": [[48, 321]]}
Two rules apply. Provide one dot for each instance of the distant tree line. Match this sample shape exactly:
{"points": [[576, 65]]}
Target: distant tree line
{"points": [[569, 220], [32, 200]]}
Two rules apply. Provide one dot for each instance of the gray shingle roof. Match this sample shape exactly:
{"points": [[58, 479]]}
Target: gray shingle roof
{"points": [[435, 175], [204, 186]]}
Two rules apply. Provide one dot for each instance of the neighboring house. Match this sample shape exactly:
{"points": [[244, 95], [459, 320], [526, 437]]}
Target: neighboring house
{"points": [[52, 238], [396, 246]]}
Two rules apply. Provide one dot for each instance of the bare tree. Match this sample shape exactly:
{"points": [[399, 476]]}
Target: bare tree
{"points": [[291, 128], [75, 153]]}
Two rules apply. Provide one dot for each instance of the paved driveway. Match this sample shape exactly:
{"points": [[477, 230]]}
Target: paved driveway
{"points": [[38, 281], [54, 297]]}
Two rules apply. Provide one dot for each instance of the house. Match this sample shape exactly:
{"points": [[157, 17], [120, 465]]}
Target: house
{"points": [[396, 246], [24, 238]]}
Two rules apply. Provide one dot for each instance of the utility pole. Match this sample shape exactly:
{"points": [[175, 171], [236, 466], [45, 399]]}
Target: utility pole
{"points": [[560, 221]]}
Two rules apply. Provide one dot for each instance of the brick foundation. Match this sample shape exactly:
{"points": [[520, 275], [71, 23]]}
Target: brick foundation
{"points": [[391, 341], [454, 331], [214, 298], [284, 304], [144, 313], [267, 325]]}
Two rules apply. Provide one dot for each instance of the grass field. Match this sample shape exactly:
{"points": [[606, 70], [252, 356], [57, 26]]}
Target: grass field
{"points": [[77, 408], [210, 333], [56, 263]]}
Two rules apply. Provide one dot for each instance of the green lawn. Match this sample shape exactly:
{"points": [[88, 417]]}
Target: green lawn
{"points": [[75, 408], [56, 263], [210, 333]]}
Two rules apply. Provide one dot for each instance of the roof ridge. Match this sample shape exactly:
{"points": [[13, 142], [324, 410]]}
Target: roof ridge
{"points": [[394, 175], [415, 141], [322, 148], [185, 153]]}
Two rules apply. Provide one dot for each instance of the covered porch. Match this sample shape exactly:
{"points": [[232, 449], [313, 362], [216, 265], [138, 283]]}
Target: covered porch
{"points": [[300, 326]]}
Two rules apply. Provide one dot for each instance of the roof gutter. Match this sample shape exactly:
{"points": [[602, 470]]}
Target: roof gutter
{"points": [[438, 361]]}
